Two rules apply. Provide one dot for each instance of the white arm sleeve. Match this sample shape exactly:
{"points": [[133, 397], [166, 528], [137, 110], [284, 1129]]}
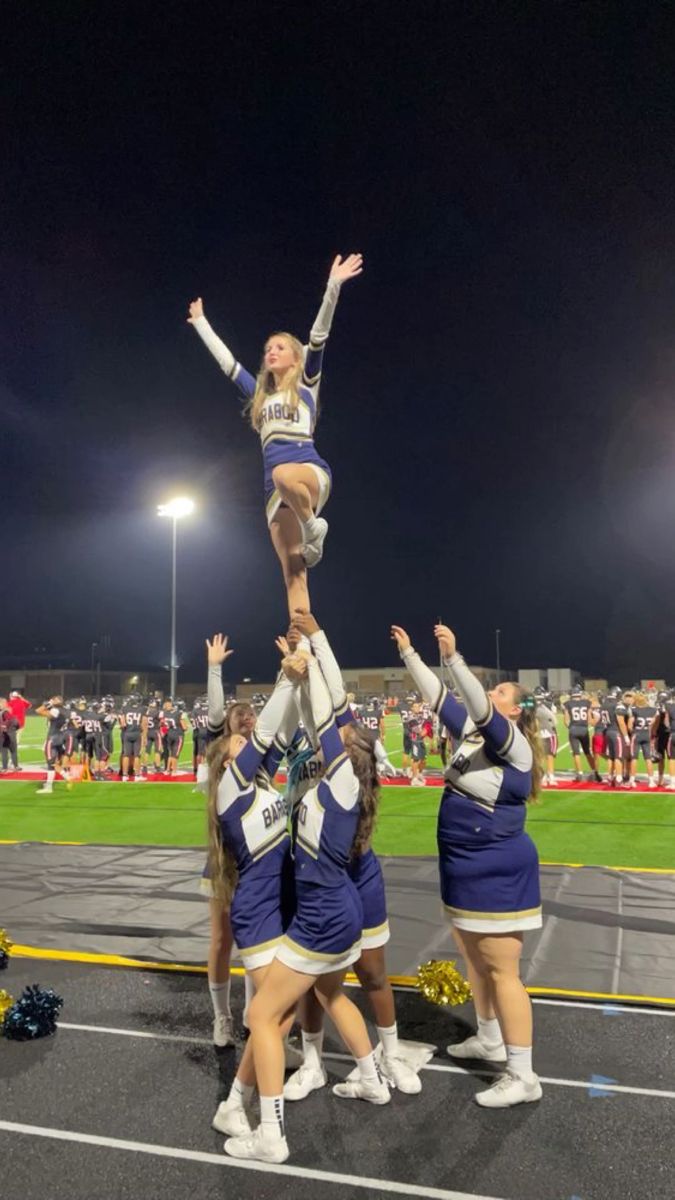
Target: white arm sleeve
{"points": [[275, 711], [329, 667], [423, 677], [215, 696], [223, 356], [290, 722], [306, 716], [471, 691], [320, 330], [322, 705]]}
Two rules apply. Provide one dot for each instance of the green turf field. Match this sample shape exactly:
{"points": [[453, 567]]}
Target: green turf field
{"points": [[609, 828]]}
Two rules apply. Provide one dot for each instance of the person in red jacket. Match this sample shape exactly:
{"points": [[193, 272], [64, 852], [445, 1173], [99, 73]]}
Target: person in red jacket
{"points": [[18, 706], [8, 731]]}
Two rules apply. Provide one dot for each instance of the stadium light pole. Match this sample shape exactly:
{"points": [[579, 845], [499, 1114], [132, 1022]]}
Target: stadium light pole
{"points": [[177, 508]]}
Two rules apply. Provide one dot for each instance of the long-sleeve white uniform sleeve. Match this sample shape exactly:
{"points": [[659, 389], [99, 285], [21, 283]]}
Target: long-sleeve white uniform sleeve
{"points": [[499, 732], [222, 354], [428, 684], [323, 321], [274, 713], [307, 716], [338, 772], [318, 337], [215, 697], [471, 691], [330, 670]]}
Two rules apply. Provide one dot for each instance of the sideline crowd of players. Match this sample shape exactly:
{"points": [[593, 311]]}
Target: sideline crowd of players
{"points": [[80, 736], [612, 732], [615, 731]]}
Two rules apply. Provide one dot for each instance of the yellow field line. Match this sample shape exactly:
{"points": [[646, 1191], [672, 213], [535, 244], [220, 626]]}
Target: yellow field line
{"points": [[409, 981], [607, 867], [612, 997], [20, 842]]}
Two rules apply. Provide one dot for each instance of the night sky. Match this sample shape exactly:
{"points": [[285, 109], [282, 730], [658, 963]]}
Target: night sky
{"points": [[498, 398]]}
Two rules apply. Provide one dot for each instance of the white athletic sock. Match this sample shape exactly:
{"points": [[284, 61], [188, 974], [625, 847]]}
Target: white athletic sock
{"points": [[389, 1038], [519, 1061], [249, 993], [51, 775], [312, 1047], [220, 998], [272, 1116], [489, 1032], [368, 1069], [309, 528], [240, 1093]]}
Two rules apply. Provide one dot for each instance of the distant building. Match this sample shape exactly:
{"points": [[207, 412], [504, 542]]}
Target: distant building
{"points": [[39, 685]]}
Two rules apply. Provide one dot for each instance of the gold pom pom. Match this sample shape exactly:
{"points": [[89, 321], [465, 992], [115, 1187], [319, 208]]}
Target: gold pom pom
{"points": [[441, 983], [6, 942], [6, 1002]]}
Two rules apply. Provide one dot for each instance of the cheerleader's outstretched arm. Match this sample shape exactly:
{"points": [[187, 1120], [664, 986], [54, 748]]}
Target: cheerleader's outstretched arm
{"points": [[451, 712], [500, 734], [339, 772], [305, 623], [320, 331], [271, 718], [222, 354], [216, 652], [282, 740]]}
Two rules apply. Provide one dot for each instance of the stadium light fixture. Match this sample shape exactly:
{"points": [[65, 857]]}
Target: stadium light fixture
{"points": [[180, 506]]}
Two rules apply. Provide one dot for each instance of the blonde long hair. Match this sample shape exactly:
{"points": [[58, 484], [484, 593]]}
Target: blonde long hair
{"points": [[266, 386], [221, 865], [529, 726]]}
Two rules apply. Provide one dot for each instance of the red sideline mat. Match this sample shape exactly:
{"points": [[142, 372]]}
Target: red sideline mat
{"points": [[34, 774]]}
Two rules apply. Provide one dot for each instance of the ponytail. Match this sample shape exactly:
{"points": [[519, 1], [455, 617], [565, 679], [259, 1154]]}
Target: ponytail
{"points": [[529, 726], [360, 747]]}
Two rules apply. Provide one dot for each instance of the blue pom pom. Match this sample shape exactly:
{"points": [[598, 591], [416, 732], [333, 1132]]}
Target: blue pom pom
{"points": [[33, 1015]]}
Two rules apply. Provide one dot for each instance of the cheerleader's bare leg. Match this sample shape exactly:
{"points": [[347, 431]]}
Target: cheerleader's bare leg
{"points": [[479, 979], [298, 486], [496, 958], [501, 955], [287, 541], [231, 1116], [270, 1014], [371, 972], [220, 951]]}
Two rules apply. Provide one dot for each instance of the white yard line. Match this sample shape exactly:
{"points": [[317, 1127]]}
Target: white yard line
{"points": [[446, 1068], [221, 1160]]}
